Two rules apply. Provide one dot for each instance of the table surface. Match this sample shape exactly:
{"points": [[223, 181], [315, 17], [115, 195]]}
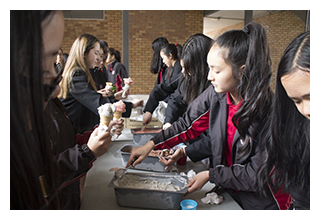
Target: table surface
{"points": [[98, 196]]}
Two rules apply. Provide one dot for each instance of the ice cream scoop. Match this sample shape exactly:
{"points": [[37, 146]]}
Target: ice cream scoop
{"points": [[120, 108], [127, 83], [108, 85], [106, 112], [119, 173]]}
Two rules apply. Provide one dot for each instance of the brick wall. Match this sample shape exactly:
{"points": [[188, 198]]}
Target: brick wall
{"points": [[109, 29], [144, 27], [282, 28], [177, 27]]}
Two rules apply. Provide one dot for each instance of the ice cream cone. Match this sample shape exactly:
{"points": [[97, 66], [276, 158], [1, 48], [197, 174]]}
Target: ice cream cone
{"points": [[108, 84], [117, 115], [105, 120]]}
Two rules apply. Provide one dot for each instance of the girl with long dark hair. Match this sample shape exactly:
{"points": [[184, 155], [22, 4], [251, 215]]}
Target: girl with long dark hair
{"points": [[234, 109], [195, 70], [170, 54], [36, 37], [116, 70], [31, 76], [157, 66], [288, 130]]}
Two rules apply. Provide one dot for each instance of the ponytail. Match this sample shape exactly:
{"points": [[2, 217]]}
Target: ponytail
{"points": [[248, 53], [174, 49]]}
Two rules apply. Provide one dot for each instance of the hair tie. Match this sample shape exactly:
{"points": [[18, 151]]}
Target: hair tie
{"points": [[175, 44], [246, 30]]}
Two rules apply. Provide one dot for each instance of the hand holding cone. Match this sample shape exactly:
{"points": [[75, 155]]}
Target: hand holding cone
{"points": [[120, 108]]}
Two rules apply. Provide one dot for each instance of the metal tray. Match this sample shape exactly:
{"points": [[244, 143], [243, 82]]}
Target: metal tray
{"points": [[151, 198], [143, 138], [151, 163]]}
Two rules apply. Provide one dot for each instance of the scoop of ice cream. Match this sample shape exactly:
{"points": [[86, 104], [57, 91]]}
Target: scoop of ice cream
{"points": [[128, 81], [108, 85], [107, 109], [120, 106]]}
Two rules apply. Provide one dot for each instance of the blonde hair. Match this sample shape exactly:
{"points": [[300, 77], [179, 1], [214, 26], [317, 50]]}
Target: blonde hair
{"points": [[82, 45]]}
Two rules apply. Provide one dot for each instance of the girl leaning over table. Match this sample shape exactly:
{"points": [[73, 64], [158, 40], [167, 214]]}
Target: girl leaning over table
{"points": [[234, 109]]}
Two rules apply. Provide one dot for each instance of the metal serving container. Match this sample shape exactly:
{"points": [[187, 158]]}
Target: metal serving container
{"points": [[142, 138], [151, 198], [151, 163]]}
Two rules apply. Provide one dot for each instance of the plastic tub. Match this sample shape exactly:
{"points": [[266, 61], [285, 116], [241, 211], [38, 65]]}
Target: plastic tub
{"points": [[188, 204]]}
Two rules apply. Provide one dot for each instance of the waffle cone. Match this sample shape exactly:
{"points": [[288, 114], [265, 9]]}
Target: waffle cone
{"points": [[117, 115], [105, 120]]}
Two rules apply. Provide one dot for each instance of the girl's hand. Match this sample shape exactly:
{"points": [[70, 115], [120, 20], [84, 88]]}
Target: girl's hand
{"points": [[118, 126], [198, 181], [99, 144], [137, 103], [147, 118], [166, 125], [104, 92], [140, 153], [118, 95], [172, 158]]}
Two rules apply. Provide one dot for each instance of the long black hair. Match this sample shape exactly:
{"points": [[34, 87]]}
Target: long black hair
{"points": [[156, 63], [173, 49], [30, 160], [116, 54], [194, 56], [288, 131], [249, 48]]}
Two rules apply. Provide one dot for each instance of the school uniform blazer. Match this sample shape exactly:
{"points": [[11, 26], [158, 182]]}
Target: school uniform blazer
{"points": [[163, 90], [209, 110], [162, 75], [99, 77], [82, 102], [176, 105], [117, 69], [71, 161]]}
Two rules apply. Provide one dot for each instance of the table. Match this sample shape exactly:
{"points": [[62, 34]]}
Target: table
{"points": [[98, 196]]}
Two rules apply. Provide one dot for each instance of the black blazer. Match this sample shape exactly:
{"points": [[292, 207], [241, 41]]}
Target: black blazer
{"points": [[209, 110], [82, 102], [161, 91]]}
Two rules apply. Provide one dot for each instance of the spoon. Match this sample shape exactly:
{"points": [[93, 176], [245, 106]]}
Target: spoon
{"points": [[144, 127], [120, 172]]}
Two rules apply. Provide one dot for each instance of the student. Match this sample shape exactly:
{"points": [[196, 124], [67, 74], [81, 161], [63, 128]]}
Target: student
{"points": [[103, 56], [170, 56], [194, 81], [288, 128], [79, 93], [234, 109], [59, 63], [116, 70], [157, 65], [36, 37], [99, 72]]}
